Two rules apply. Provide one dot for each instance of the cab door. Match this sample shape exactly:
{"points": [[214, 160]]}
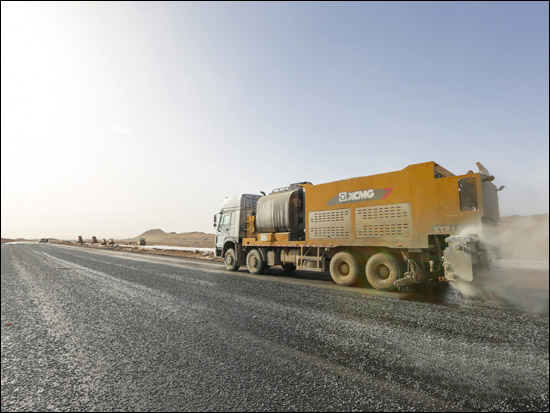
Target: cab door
{"points": [[223, 230]]}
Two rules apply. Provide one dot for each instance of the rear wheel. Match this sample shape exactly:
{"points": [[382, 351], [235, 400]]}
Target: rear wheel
{"points": [[230, 260], [383, 270], [254, 262], [344, 268]]}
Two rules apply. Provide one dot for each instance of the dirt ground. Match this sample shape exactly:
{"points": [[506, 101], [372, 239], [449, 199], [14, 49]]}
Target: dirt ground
{"points": [[186, 254], [184, 239]]}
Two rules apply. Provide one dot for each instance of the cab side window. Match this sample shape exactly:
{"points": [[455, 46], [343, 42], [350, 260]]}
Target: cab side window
{"points": [[226, 219]]}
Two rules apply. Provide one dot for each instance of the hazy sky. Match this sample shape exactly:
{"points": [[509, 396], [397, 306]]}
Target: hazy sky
{"points": [[122, 117]]}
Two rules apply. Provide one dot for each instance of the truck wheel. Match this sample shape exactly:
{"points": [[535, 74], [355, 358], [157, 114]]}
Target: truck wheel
{"points": [[382, 271], [230, 260], [254, 262], [344, 268], [288, 268]]}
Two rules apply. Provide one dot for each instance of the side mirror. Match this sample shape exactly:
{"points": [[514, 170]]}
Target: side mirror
{"points": [[216, 220]]}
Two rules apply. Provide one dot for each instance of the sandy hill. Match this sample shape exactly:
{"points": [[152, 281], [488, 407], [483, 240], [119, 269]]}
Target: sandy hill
{"points": [[154, 233], [184, 239], [15, 240]]}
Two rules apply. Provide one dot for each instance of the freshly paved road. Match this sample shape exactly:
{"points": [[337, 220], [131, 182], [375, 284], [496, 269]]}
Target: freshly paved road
{"points": [[90, 330]]}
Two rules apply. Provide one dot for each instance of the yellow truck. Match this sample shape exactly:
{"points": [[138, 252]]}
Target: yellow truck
{"points": [[396, 229]]}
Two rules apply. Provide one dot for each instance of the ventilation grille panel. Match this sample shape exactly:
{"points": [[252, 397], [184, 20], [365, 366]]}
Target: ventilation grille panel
{"points": [[384, 212], [335, 223], [385, 221]]}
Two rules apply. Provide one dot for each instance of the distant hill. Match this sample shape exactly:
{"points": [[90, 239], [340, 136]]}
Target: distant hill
{"points": [[184, 239], [536, 218], [15, 240], [154, 233]]}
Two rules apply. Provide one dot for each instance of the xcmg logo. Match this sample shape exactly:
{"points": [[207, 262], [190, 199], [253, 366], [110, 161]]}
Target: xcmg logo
{"points": [[356, 196], [361, 195]]}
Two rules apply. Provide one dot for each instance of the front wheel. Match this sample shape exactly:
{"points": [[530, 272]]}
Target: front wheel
{"points": [[230, 260]]}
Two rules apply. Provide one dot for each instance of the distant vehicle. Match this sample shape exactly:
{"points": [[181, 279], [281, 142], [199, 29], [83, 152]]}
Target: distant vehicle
{"points": [[141, 241], [43, 240]]}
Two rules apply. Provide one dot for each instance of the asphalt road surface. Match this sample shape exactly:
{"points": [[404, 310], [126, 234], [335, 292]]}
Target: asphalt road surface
{"points": [[90, 330]]}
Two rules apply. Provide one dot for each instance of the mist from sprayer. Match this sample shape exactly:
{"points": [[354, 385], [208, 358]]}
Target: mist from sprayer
{"points": [[520, 276]]}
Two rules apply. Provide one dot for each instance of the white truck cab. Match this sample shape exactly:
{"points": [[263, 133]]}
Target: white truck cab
{"points": [[230, 222]]}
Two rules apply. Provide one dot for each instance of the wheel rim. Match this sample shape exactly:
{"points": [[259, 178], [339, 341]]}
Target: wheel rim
{"points": [[228, 260], [253, 262], [383, 272], [343, 268]]}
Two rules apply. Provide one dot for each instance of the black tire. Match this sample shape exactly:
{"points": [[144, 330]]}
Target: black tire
{"points": [[288, 268], [254, 262], [383, 270], [230, 260], [344, 269]]}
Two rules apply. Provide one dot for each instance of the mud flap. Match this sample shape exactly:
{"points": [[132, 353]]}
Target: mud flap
{"points": [[459, 258]]}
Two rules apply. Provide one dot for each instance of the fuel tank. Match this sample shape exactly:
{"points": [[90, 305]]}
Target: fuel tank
{"points": [[281, 212]]}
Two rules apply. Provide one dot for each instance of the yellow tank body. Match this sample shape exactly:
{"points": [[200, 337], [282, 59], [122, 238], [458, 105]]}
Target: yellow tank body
{"points": [[396, 209]]}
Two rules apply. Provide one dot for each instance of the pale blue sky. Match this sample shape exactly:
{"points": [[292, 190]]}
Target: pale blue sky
{"points": [[121, 117]]}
